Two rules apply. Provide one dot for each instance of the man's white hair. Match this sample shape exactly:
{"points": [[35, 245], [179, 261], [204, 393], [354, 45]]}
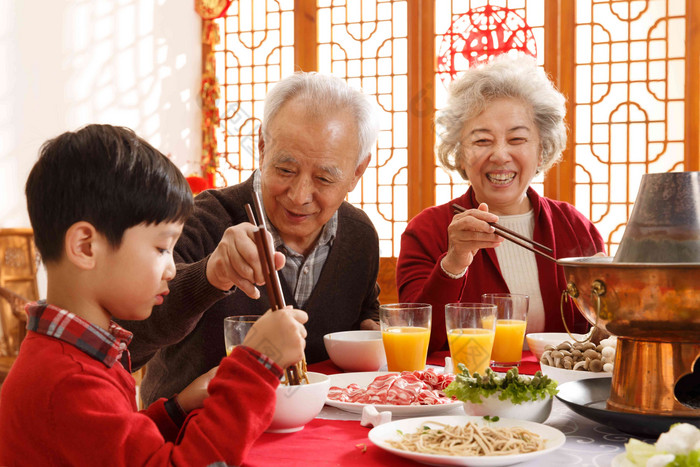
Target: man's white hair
{"points": [[325, 95]]}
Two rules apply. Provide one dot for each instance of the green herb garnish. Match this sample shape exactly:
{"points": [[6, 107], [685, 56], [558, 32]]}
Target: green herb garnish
{"points": [[489, 418], [511, 386], [686, 460]]}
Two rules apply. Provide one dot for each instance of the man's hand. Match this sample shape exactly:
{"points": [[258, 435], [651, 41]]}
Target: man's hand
{"points": [[235, 261], [370, 324]]}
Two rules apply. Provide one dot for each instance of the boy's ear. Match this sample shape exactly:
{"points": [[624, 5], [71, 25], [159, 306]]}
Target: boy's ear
{"points": [[80, 244]]}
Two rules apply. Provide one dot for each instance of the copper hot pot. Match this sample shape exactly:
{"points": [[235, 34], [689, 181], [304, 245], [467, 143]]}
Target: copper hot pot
{"points": [[649, 296]]}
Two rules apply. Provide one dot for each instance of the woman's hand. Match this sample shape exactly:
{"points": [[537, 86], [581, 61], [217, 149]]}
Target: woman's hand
{"points": [[467, 233]]}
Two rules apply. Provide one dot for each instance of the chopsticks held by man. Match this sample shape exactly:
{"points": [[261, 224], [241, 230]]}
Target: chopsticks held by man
{"points": [[315, 144]]}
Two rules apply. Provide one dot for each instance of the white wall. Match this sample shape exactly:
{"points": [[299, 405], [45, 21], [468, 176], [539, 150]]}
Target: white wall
{"points": [[67, 63]]}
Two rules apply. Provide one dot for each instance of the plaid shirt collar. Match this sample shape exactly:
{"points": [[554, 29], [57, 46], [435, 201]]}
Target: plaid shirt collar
{"points": [[104, 346], [327, 233]]}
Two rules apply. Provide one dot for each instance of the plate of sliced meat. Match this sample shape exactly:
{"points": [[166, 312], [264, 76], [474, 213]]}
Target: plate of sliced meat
{"points": [[406, 394]]}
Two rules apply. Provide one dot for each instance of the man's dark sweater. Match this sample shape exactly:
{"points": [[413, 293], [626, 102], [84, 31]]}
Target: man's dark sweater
{"points": [[184, 337]]}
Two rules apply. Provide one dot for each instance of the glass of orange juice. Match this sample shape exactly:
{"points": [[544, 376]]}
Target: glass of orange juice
{"points": [[511, 323], [236, 328], [470, 334], [405, 334]]}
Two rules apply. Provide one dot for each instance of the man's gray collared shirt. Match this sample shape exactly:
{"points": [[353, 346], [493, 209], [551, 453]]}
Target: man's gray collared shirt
{"points": [[301, 273]]}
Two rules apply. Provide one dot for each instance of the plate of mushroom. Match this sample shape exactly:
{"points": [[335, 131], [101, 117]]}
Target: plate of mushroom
{"points": [[573, 361]]}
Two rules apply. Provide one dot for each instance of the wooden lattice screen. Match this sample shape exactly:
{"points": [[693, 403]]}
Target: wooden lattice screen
{"points": [[628, 110], [628, 68]]}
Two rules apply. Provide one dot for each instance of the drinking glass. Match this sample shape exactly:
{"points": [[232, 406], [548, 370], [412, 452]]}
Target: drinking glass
{"points": [[405, 334], [470, 334], [236, 328], [511, 322]]}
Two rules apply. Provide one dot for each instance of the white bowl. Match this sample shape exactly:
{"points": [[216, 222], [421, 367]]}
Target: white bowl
{"points": [[562, 375], [535, 411], [298, 405], [538, 340], [356, 350]]}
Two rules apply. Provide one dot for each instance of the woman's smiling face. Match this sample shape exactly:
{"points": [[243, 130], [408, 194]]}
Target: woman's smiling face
{"points": [[501, 155]]}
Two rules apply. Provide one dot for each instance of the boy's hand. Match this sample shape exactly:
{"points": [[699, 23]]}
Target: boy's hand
{"points": [[280, 335], [192, 397]]}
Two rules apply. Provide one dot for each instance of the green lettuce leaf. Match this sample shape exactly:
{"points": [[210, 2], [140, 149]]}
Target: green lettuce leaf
{"points": [[511, 386], [692, 459]]}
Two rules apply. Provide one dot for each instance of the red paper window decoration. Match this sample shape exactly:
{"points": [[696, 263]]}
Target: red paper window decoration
{"points": [[479, 34]]}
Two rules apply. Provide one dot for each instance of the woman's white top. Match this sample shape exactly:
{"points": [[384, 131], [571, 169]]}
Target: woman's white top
{"points": [[519, 267]]}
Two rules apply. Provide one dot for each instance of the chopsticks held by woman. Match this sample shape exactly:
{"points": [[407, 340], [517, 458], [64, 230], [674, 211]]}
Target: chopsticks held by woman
{"points": [[502, 126]]}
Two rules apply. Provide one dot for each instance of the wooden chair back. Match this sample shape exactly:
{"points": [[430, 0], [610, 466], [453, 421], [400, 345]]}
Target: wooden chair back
{"points": [[18, 285], [387, 281]]}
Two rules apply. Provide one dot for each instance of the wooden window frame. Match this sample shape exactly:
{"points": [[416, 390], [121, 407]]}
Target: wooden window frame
{"points": [[559, 63]]}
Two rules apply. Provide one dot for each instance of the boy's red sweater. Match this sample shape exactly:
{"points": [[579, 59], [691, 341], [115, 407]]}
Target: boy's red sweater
{"points": [[59, 406]]}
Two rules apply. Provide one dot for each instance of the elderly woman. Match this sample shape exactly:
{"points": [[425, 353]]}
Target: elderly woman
{"points": [[503, 125]]}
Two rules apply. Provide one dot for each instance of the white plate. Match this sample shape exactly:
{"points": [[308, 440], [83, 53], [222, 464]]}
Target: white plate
{"points": [[562, 375], [363, 379], [379, 435]]}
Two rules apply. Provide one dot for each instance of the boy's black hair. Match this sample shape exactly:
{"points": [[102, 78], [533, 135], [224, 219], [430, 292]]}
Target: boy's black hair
{"points": [[107, 176]]}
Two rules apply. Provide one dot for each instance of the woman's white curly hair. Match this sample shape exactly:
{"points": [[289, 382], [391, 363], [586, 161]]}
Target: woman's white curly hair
{"points": [[506, 76]]}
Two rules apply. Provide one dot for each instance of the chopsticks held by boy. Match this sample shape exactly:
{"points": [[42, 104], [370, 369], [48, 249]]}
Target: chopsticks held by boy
{"points": [[107, 209]]}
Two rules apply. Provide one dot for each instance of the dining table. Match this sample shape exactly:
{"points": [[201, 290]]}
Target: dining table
{"points": [[336, 438]]}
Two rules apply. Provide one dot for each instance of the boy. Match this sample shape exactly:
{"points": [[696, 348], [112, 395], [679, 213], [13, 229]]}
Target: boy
{"points": [[107, 209]]}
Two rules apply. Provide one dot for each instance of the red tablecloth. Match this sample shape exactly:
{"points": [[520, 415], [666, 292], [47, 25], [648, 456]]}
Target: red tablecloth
{"points": [[321, 443], [336, 442], [528, 366]]}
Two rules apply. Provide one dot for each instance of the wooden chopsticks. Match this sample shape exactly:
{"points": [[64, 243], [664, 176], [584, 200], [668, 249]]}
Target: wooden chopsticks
{"points": [[295, 374], [513, 236], [267, 256]]}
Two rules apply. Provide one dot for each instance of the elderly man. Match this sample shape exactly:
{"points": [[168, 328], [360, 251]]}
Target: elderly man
{"points": [[315, 145]]}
